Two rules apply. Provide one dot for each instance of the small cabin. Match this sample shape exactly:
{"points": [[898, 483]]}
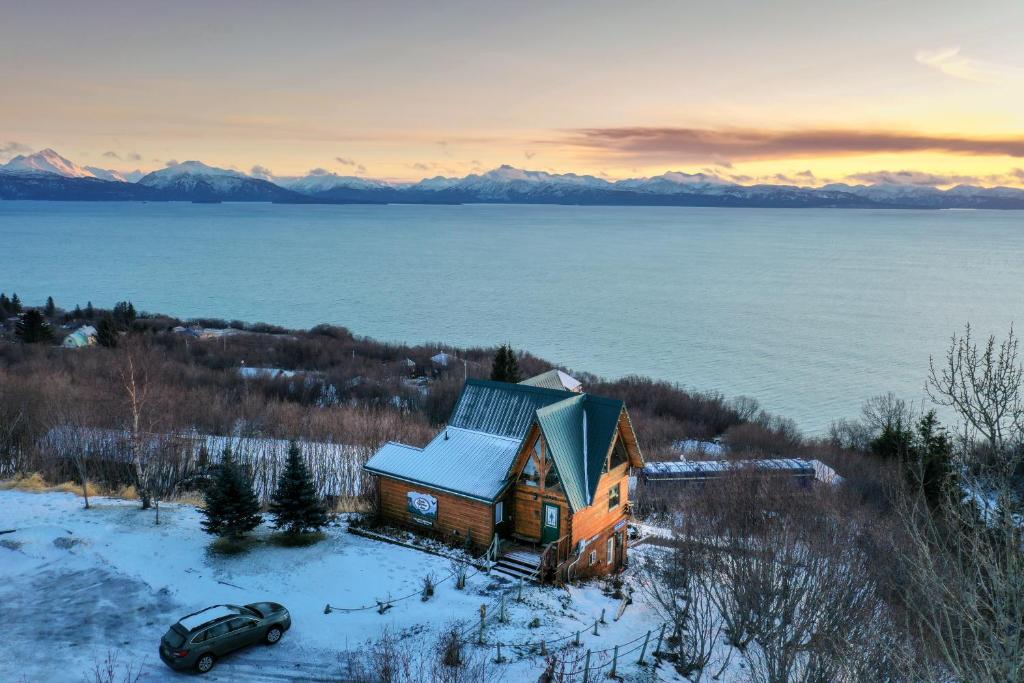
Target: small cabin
{"points": [[535, 477]]}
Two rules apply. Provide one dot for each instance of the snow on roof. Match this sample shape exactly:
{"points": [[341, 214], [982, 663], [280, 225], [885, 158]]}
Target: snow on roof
{"points": [[554, 379], [462, 461], [441, 358], [207, 615], [696, 469]]}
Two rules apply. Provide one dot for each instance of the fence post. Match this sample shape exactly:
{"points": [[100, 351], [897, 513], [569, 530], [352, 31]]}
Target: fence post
{"points": [[499, 659], [483, 615], [543, 648], [586, 668], [602, 616], [595, 628], [643, 650], [502, 614], [577, 638], [615, 660], [661, 636], [519, 596]]}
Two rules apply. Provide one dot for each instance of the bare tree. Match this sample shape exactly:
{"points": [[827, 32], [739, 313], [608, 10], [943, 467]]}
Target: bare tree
{"points": [[982, 384]]}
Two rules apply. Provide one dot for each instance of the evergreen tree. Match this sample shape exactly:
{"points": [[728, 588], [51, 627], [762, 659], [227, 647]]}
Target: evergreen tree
{"points": [[124, 314], [930, 466], [232, 508], [5, 305], [506, 365], [77, 313], [33, 328], [106, 333], [295, 505], [51, 308], [15, 306], [894, 443], [90, 312]]}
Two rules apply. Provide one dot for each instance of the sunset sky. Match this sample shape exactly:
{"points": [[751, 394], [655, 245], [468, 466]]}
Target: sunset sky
{"points": [[786, 91]]}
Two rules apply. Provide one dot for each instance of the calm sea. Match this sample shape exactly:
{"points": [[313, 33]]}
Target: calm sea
{"points": [[809, 311]]}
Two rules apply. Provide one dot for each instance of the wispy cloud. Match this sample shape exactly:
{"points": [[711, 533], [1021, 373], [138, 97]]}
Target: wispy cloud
{"points": [[345, 162], [712, 145], [953, 63], [262, 172], [10, 149], [111, 155]]}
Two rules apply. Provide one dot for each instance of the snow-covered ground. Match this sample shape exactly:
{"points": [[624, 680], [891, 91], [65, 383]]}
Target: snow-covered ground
{"points": [[76, 583]]}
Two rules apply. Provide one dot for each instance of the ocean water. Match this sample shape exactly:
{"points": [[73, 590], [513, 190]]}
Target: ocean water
{"points": [[809, 311]]}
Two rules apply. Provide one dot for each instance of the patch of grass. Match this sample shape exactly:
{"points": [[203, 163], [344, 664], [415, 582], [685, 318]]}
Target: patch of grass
{"points": [[33, 482], [229, 545], [11, 545], [297, 540], [194, 498], [353, 504], [76, 488]]}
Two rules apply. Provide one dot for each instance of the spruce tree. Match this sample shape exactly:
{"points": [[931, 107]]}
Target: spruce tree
{"points": [[506, 366], [15, 306], [930, 465], [33, 328], [232, 508], [77, 313], [106, 333], [90, 312], [5, 304], [295, 505], [51, 308]]}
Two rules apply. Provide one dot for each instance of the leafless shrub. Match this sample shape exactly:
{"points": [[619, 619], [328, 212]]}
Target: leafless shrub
{"points": [[109, 670]]}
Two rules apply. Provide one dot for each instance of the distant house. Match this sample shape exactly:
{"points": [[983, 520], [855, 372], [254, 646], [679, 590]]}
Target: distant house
{"points": [[83, 336], [555, 379], [537, 476]]}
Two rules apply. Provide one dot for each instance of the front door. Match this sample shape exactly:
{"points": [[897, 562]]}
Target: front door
{"points": [[550, 529]]}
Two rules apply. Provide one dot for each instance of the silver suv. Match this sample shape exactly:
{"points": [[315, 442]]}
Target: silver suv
{"points": [[198, 640]]}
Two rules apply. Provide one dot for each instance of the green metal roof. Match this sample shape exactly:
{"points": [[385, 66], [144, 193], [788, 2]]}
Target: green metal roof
{"points": [[579, 432], [501, 408]]}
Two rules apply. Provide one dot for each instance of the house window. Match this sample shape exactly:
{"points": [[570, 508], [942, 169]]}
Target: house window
{"points": [[593, 557], [611, 550], [499, 512], [530, 476], [613, 496], [551, 479], [619, 455]]}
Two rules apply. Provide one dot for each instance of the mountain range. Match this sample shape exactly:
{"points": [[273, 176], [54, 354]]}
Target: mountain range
{"points": [[48, 175]]}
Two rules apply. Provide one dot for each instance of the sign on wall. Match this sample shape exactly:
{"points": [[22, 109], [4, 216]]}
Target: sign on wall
{"points": [[422, 506]]}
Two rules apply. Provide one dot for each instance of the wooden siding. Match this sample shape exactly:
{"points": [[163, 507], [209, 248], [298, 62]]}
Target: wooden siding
{"points": [[528, 500], [528, 503], [596, 518], [455, 515]]}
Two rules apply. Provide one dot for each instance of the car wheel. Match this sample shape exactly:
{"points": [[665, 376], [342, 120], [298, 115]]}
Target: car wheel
{"points": [[205, 663], [274, 634]]}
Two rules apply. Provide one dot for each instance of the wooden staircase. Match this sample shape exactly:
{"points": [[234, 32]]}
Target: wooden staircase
{"points": [[519, 563]]}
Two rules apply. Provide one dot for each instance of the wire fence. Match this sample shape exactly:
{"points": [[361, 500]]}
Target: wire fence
{"points": [[649, 642]]}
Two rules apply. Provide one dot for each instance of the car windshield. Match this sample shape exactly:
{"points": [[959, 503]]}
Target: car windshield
{"points": [[173, 638]]}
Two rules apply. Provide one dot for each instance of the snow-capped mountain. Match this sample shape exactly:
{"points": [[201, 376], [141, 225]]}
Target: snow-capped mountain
{"points": [[506, 182], [46, 161], [106, 174], [320, 180], [195, 181], [48, 175], [675, 182]]}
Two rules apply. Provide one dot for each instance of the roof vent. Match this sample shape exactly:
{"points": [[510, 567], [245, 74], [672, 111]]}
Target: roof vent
{"points": [[445, 434]]}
